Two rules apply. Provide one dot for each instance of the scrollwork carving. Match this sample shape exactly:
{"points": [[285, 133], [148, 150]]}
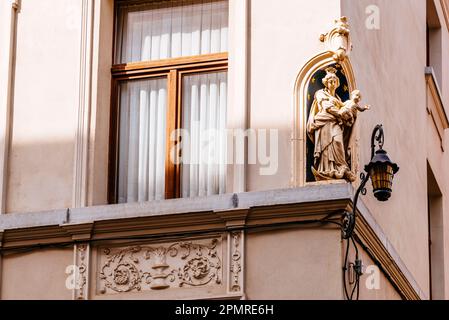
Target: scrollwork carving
{"points": [[81, 261], [161, 267], [338, 40], [202, 269], [236, 267]]}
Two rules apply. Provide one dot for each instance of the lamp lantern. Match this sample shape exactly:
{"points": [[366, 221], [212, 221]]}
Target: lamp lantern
{"points": [[381, 171]]}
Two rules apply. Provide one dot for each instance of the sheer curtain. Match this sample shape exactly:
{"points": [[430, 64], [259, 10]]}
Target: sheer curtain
{"points": [[203, 171], [142, 140], [185, 28], [162, 30]]}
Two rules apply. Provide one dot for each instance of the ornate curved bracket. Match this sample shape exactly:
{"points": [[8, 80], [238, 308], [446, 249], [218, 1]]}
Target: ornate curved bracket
{"points": [[337, 40], [378, 135], [349, 219]]}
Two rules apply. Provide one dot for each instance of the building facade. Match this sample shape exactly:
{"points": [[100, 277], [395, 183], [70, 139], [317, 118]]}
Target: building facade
{"points": [[184, 149]]}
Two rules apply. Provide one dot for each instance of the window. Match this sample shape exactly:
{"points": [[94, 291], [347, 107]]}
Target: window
{"points": [[170, 73], [435, 237]]}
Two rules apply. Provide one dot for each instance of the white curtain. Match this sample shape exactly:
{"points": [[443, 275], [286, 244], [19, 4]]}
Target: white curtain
{"points": [[203, 171], [153, 32], [142, 140]]}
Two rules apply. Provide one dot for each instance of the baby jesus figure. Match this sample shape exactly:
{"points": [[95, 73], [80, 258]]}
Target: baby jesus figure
{"points": [[348, 112]]}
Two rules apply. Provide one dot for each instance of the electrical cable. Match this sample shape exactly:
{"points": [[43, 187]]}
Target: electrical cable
{"points": [[358, 272], [356, 287], [345, 269]]}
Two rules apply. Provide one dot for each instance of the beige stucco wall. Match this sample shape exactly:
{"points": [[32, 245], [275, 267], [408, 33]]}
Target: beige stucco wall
{"points": [[282, 39], [294, 264], [36, 275], [306, 264], [44, 106], [373, 283], [389, 67], [438, 160]]}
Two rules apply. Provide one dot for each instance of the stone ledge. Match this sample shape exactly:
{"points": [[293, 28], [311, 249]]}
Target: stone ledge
{"points": [[218, 203]]}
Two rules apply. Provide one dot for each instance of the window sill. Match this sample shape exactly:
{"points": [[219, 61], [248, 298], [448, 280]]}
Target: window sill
{"points": [[436, 109]]}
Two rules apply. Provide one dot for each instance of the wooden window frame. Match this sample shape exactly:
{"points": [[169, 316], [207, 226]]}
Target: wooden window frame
{"points": [[173, 70]]}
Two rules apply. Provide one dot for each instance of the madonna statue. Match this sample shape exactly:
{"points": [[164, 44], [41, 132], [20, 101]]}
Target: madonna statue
{"points": [[328, 125]]}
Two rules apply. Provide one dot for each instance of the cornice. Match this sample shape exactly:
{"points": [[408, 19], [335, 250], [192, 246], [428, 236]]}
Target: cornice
{"points": [[79, 232], [437, 109], [378, 250], [223, 212]]}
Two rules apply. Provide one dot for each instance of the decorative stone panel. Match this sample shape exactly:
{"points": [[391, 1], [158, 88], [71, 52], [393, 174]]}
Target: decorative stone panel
{"points": [[82, 253], [200, 267], [236, 262]]}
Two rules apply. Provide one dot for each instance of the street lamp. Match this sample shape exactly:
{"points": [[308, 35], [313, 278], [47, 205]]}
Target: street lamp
{"points": [[381, 170]]}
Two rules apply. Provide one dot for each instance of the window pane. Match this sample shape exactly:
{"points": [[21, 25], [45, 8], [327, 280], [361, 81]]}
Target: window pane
{"points": [[203, 170], [142, 135], [184, 28]]}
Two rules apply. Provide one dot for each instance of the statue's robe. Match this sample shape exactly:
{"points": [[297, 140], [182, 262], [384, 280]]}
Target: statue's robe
{"points": [[325, 129]]}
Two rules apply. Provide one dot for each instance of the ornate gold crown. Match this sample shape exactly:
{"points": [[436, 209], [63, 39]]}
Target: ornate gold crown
{"points": [[331, 70]]}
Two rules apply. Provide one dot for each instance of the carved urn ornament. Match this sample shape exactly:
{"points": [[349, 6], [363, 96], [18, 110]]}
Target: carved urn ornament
{"points": [[330, 117]]}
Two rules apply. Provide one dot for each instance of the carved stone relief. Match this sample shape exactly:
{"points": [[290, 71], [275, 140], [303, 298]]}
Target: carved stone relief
{"points": [[236, 261], [82, 272], [153, 267], [338, 40]]}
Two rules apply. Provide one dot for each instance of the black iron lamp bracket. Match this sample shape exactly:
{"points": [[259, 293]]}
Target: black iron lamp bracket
{"points": [[349, 219], [381, 171]]}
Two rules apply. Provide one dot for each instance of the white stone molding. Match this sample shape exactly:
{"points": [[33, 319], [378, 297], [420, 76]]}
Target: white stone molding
{"points": [[97, 185], [238, 93], [81, 252], [81, 161], [8, 13]]}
